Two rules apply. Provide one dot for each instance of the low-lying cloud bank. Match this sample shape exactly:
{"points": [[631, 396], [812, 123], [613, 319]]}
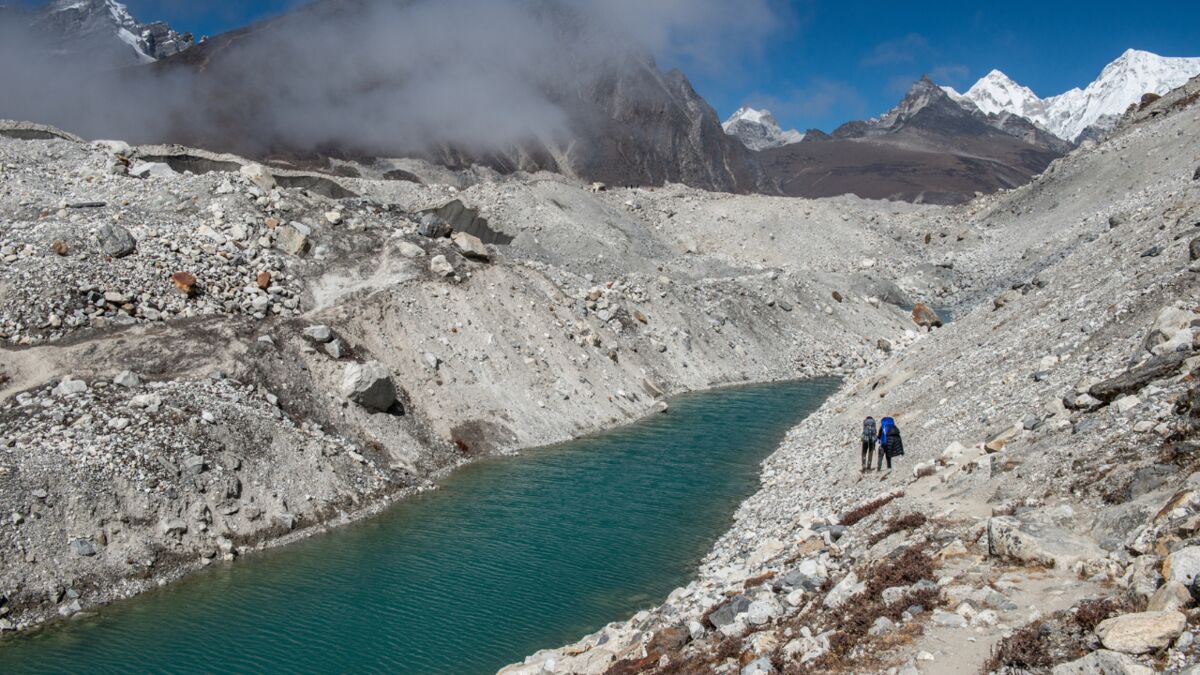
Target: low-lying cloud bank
{"points": [[380, 76]]}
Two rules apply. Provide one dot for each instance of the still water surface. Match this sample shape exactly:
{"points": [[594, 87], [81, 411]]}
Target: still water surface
{"points": [[509, 556]]}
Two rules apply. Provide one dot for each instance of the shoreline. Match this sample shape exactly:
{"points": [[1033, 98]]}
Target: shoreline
{"points": [[194, 570]]}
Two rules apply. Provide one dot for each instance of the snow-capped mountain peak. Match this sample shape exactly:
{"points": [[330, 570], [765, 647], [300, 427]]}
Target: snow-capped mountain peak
{"points": [[996, 93], [1069, 115], [86, 25], [759, 130]]}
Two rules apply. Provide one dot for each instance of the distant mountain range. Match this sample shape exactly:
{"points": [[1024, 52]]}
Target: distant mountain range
{"points": [[619, 119], [1081, 113], [1072, 116]]}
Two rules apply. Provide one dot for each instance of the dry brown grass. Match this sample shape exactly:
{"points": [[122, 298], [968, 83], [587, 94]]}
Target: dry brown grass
{"points": [[908, 521], [861, 512]]}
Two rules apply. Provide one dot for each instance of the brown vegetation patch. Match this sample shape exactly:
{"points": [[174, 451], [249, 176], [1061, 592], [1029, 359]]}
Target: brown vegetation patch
{"points": [[1058, 638], [861, 512], [908, 521]]}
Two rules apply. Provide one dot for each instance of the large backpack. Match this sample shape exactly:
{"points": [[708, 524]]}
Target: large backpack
{"points": [[892, 440], [886, 426], [869, 429]]}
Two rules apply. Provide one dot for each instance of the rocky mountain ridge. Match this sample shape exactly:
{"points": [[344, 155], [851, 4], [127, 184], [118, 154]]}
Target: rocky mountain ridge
{"points": [[83, 27]]}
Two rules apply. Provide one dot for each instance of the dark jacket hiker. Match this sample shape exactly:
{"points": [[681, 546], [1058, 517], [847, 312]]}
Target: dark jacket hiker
{"points": [[890, 442], [868, 442]]}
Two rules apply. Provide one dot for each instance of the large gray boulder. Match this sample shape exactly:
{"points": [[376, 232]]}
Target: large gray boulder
{"points": [[1038, 541], [1142, 632], [1136, 379], [1102, 662], [369, 385], [116, 240]]}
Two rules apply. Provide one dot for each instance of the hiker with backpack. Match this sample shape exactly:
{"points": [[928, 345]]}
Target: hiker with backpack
{"points": [[868, 443], [890, 443]]}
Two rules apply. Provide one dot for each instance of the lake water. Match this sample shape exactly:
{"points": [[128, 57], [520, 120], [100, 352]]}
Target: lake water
{"points": [[509, 556]]}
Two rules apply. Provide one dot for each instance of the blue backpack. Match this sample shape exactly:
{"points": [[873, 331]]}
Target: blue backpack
{"points": [[889, 437]]}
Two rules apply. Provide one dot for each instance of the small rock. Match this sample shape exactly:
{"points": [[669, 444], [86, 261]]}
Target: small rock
{"points": [[440, 266], [760, 666], [69, 387], [944, 618], [924, 316], [881, 626], [411, 250], [334, 217], [185, 283], [127, 379], [470, 246], [83, 548], [291, 241], [319, 333], [335, 349], [60, 247], [263, 280]]}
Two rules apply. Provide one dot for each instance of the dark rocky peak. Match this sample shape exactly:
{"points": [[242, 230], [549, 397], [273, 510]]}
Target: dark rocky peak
{"points": [[98, 29]]}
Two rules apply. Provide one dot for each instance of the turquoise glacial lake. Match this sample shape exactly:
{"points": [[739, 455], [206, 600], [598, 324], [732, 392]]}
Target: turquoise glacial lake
{"points": [[507, 557]]}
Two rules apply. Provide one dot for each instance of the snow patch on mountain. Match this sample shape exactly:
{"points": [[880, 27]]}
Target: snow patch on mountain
{"points": [[1069, 115], [759, 130]]}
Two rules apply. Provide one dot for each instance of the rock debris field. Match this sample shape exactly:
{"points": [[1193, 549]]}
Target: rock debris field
{"points": [[204, 356]]}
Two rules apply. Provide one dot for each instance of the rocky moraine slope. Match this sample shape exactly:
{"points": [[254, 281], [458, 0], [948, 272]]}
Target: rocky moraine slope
{"points": [[203, 356], [1046, 515]]}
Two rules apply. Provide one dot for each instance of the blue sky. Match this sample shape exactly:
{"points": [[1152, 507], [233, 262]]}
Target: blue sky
{"points": [[819, 63]]}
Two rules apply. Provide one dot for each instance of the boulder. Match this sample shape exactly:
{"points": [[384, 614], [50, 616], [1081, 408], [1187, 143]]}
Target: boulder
{"points": [[152, 170], [127, 379], [1135, 379], [1038, 543], [845, 589], [471, 246], [411, 250], [1169, 322], [440, 266], [318, 333], [1142, 632], [950, 619], [1103, 662], [369, 385], [291, 241], [924, 316], [1171, 596], [762, 611], [1183, 566], [433, 226], [1194, 249], [116, 240], [69, 387], [728, 613], [260, 176]]}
